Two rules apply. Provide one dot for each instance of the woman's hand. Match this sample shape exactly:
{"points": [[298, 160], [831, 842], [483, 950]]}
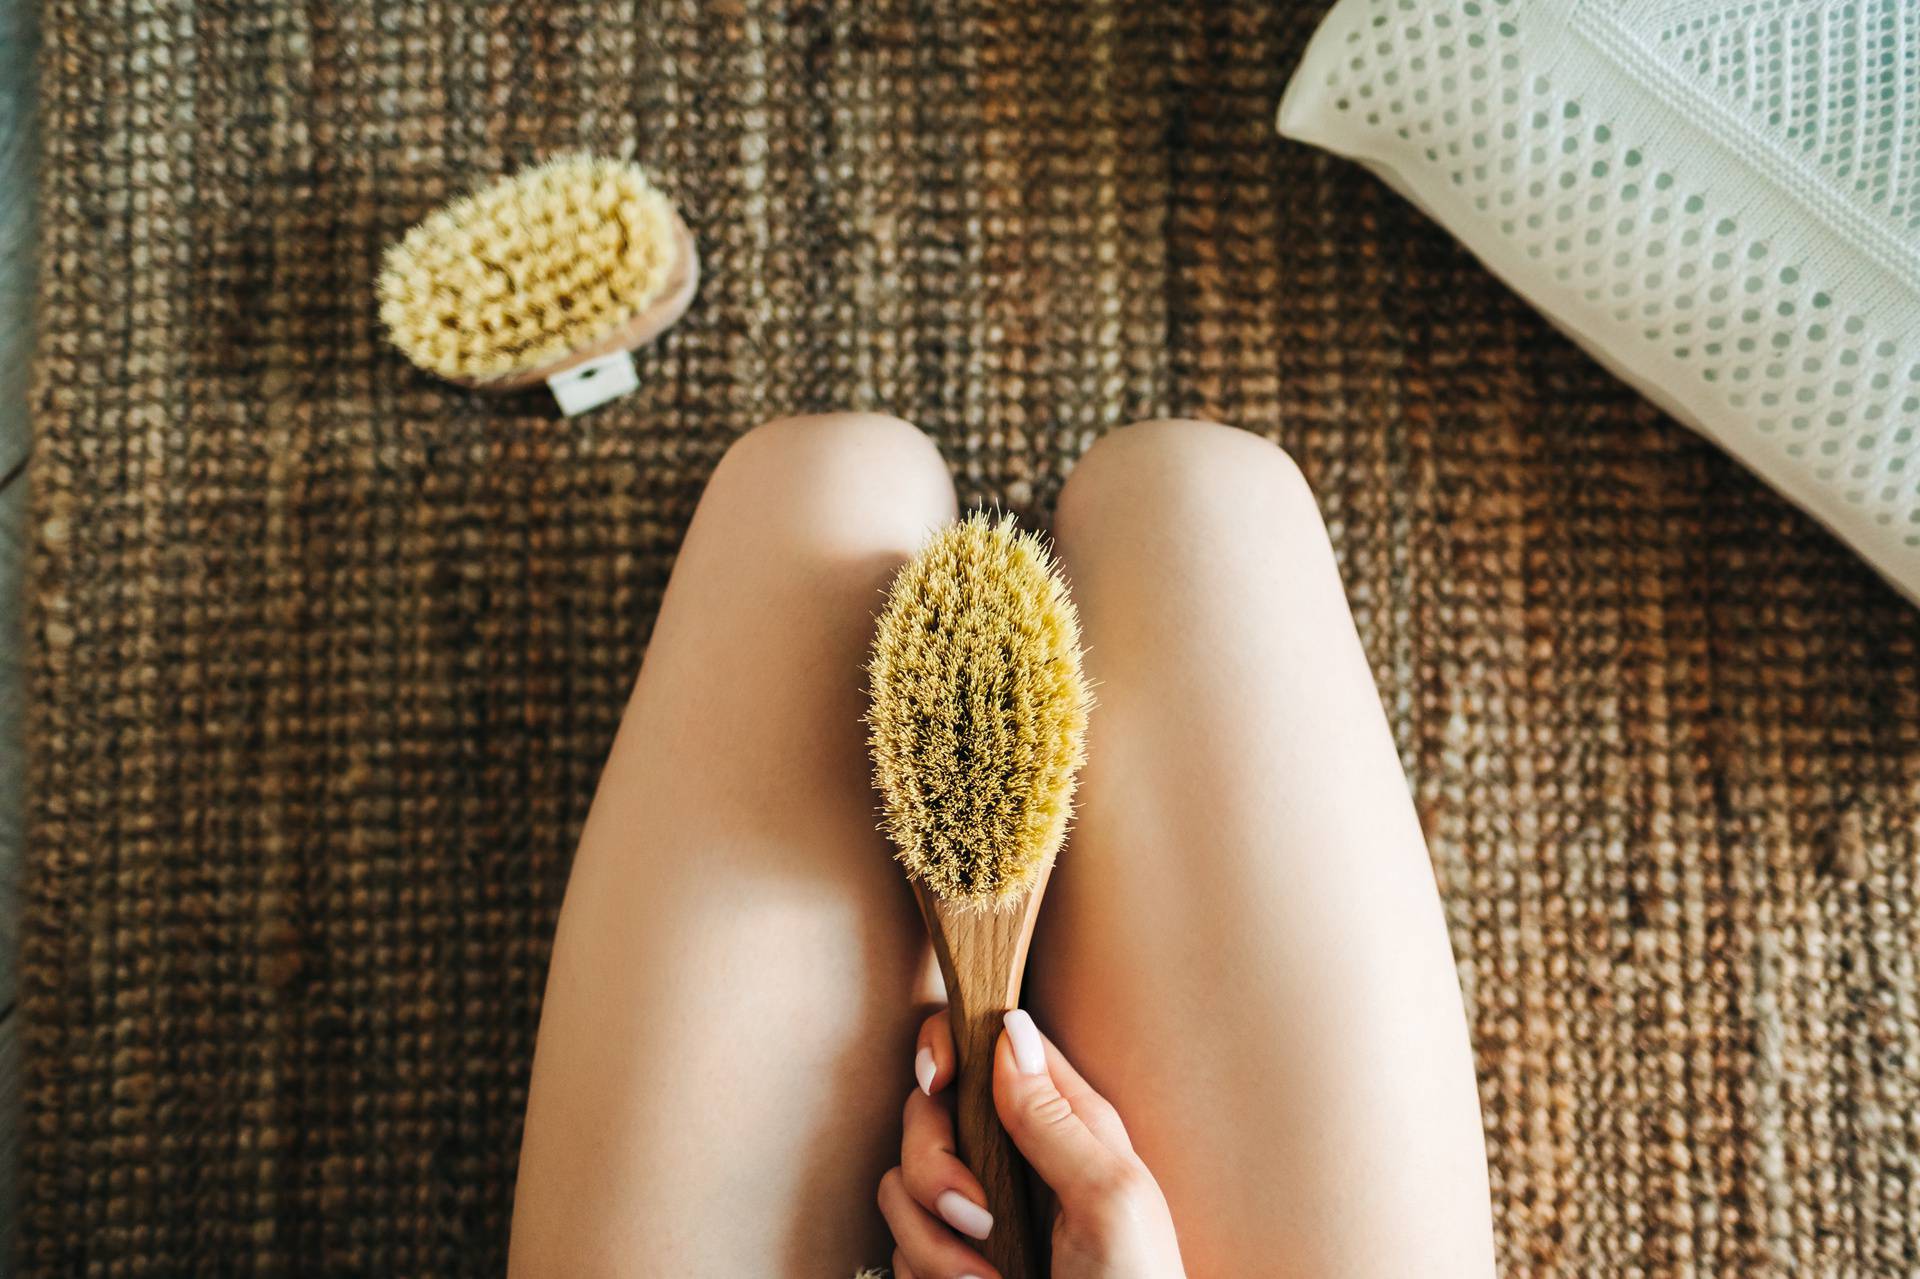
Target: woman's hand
{"points": [[1111, 1220]]}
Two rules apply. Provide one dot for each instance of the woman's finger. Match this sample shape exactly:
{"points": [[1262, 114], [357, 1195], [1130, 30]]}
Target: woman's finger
{"points": [[933, 1054], [932, 1251], [901, 1270], [935, 1177], [1094, 1110], [1056, 1140]]}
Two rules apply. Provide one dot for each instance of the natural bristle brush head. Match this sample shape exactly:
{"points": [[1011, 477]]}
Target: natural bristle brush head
{"points": [[567, 262], [978, 713]]}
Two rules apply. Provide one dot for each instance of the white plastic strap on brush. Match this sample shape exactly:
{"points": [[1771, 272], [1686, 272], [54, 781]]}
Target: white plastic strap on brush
{"points": [[589, 385]]}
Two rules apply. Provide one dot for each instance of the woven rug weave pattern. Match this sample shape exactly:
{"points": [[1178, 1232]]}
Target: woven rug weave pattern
{"points": [[328, 654]]}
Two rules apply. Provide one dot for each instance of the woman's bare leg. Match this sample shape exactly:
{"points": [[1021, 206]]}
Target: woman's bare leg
{"points": [[739, 969], [1243, 947]]}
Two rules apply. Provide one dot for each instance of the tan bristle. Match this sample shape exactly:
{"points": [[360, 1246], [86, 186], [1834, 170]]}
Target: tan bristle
{"points": [[529, 269], [978, 711]]}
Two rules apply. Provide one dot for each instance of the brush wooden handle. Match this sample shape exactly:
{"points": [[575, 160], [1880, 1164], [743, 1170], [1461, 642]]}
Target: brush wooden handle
{"points": [[983, 957]]}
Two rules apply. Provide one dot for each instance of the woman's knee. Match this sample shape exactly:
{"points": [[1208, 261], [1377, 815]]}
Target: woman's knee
{"points": [[1186, 470], [849, 471]]}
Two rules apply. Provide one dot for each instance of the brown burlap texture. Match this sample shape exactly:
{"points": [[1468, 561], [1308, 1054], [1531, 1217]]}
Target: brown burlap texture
{"points": [[328, 653]]}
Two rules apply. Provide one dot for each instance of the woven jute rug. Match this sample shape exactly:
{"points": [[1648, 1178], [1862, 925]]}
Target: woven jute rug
{"points": [[328, 654]]}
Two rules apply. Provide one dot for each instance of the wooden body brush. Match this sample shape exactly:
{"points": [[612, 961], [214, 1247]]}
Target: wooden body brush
{"points": [[553, 275], [978, 723]]}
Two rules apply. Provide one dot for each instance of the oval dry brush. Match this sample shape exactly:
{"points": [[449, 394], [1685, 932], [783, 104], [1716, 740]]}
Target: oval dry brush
{"points": [[553, 275], [978, 721]]}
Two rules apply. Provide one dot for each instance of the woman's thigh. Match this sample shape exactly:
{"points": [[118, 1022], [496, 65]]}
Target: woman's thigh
{"points": [[739, 968], [1243, 947]]}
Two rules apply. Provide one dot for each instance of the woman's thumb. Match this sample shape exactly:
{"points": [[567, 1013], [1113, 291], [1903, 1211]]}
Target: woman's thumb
{"points": [[1055, 1140]]}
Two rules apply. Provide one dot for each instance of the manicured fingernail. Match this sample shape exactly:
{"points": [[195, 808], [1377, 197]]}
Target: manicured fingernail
{"points": [[923, 1070], [1029, 1053], [964, 1215]]}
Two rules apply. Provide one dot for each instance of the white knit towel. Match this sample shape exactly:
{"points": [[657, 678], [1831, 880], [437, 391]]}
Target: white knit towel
{"points": [[1720, 199]]}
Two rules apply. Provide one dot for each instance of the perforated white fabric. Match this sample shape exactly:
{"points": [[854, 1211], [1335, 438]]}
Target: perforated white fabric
{"points": [[1719, 198]]}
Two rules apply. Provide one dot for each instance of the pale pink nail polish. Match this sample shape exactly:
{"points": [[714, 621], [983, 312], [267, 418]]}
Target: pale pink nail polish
{"points": [[1029, 1050], [964, 1215], [923, 1070]]}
